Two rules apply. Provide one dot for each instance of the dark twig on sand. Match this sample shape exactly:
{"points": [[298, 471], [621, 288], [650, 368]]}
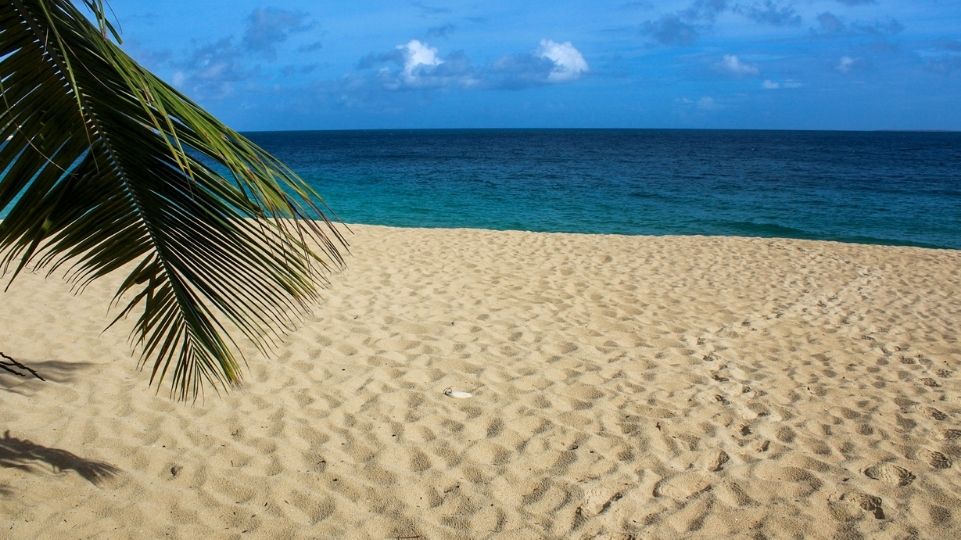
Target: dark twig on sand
{"points": [[10, 365]]}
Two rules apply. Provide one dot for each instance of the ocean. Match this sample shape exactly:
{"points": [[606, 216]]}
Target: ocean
{"points": [[899, 188], [869, 187]]}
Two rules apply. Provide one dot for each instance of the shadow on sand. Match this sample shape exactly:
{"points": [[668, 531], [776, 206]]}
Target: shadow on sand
{"points": [[47, 371], [27, 456]]}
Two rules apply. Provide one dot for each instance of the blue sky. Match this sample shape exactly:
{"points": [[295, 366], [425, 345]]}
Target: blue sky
{"points": [[780, 64]]}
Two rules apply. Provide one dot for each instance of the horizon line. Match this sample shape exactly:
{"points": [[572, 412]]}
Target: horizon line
{"points": [[810, 130]]}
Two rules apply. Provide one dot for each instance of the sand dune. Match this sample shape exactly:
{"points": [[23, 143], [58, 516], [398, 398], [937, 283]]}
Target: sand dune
{"points": [[621, 386]]}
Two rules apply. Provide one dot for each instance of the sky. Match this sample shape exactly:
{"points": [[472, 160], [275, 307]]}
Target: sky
{"points": [[375, 64]]}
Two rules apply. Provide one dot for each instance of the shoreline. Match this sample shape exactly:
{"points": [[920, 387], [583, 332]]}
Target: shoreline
{"points": [[656, 386], [879, 243], [665, 236]]}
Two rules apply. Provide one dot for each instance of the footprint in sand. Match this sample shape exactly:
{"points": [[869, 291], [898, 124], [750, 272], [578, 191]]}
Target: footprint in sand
{"points": [[785, 435], [935, 459], [715, 461], [890, 473], [599, 500], [419, 462], [683, 486], [495, 427], [851, 506]]}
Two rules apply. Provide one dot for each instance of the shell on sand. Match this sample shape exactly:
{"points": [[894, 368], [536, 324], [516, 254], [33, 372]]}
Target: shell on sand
{"points": [[458, 394]]}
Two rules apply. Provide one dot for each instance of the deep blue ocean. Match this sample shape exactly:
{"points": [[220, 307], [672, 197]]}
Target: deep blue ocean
{"points": [[901, 188], [868, 187]]}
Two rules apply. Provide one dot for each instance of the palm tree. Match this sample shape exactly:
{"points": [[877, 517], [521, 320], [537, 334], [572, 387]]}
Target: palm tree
{"points": [[104, 167]]}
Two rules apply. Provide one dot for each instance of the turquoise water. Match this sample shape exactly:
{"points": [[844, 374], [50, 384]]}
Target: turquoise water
{"points": [[881, 188], [885, 188]]}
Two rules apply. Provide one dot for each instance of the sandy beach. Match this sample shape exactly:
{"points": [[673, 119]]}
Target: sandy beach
{"points": [[621, 387]]}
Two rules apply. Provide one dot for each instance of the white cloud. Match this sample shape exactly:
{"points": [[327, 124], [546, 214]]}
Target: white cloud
{"points": [[569, 63], [846, 64], [417, 55], [704, 103], [211, 70], [733, 65], [777, 85], [415, 65], [707, 103]]}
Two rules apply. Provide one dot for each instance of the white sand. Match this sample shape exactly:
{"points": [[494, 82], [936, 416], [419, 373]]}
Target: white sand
{"points": [[621, 386]]}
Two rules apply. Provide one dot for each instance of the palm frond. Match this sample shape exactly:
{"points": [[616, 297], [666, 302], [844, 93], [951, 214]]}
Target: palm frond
{"points": [[104, 165]]}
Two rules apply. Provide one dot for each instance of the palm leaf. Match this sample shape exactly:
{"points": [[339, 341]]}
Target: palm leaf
{"points": [[104, 166]]}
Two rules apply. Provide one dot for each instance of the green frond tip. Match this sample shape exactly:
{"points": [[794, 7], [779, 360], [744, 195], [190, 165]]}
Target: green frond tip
{"points": [[104, 167]]}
